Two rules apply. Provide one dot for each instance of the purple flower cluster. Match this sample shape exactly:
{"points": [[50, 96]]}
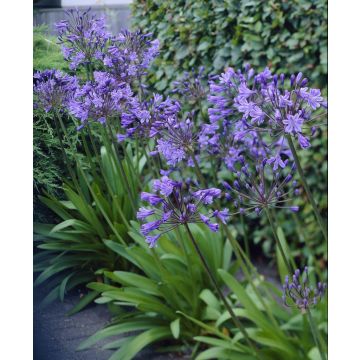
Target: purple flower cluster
{"points": [[298, 293], [129, 55], [53, 89], [192, 86], [83, 37], [176, 141], [265, 102], [261, 188], [173, 204], [101, 99], [146, 119]]}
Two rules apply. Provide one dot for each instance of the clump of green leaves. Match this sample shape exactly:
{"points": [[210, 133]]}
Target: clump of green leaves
{"points": [[171, 281], [285, 35]]}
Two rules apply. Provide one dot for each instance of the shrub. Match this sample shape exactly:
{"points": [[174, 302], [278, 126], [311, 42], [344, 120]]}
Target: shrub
{"points": [[284, 35]]}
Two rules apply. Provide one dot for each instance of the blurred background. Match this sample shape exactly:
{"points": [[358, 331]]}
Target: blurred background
{"points": [[117, 12]]}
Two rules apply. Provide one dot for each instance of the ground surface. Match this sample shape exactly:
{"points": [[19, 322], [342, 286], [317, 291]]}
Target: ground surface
{"points": [[56, 336]]}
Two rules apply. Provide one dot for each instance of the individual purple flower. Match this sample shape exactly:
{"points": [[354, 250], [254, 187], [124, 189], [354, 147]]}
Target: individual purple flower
{"points": [[143, 213], [83, 37], [293, 123], [53, 89], [175, 204], [299, 293]]}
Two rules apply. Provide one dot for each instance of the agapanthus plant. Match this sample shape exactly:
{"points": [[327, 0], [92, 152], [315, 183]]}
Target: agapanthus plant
{"points": [[53, 89], [83, 37], [145, 119], [300, 293], [101, 99], [267, 102], [262, 187], [173, 204], [130, 54], [277, 109]]}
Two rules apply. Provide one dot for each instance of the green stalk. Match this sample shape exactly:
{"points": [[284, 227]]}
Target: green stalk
{"points": [[315, 334], [241, 256], [198, 171], [246, 240], [306, 187], [228, 307], [278, 243]]}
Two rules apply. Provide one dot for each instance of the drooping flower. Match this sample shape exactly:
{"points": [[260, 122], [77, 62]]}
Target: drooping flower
{"points": [[53, 89], [83, 37], [175, 204], [299, 293]]}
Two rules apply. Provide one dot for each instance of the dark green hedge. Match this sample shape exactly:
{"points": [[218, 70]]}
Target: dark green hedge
{"points": [[288, 36]]}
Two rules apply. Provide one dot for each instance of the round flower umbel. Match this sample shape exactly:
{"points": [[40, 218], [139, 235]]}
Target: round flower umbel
{"points": [[53, 89], [262, 188], [130, 54], [192, 85], [174, 204], [299, 293], [176, 140], [83, 37], [100, 99], [143, 120]]}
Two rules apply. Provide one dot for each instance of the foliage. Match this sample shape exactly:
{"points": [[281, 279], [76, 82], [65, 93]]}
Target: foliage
{"points": [[172, 280], [46, 52], [287, 335], [73, 249], [285, 35]]}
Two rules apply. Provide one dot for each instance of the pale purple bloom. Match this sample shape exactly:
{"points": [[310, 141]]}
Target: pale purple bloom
{"points": [[143, 213], [293, 123]]}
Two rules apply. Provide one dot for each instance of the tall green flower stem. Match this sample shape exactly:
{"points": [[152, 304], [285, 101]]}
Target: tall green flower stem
{"points": [[306, 187], [221, 295], [315, 333], [278, 242], [241, 256]]}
